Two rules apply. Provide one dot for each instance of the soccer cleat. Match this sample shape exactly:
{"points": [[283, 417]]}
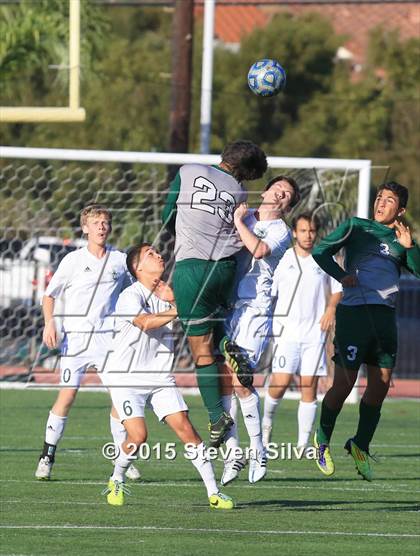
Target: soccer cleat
{"points": [[239, 362], [323, 460], [133, 473], [43, 471], [266, 434], [361, 459], [219, 430], [115, 492], [220, 501], [231, 470], [257, 466]]}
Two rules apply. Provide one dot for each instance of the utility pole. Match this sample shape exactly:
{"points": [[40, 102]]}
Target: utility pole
{"points": [[182, 46]]}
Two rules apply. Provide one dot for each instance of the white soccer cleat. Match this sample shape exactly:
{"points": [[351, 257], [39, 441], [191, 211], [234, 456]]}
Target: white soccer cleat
{"points": [[257, 466], [231, 470], [133, 473], [43, 471], [266, 435]]}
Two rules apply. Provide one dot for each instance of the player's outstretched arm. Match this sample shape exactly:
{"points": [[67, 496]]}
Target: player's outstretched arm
{"points": [[324, 252], [152, 321], [49, 335]]}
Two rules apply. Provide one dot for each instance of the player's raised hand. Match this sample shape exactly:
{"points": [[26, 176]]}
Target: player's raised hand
{"points": [[164, 291], [403, 234], [49, 335], [240, 212], [349, 281]]}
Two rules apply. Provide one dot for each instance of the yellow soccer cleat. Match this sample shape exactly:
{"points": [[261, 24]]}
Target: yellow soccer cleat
{"points": [[115, 493], [220, 501], [323, 460], [361, 459]]}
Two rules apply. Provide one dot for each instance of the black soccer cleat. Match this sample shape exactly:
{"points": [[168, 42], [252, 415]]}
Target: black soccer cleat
{"points": [[239, 363], [219, 430]]}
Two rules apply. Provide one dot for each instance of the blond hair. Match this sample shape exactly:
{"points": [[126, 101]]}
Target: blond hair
{"points": [[94, 210]]}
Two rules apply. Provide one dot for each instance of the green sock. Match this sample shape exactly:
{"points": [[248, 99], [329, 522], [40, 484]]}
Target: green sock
{"points": [[326, 423], [208, 383], [369, 416]]}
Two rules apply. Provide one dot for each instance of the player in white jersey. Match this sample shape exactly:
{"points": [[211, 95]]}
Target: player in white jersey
{"points": [[88, 282], [307, 298], [266, 238], [138, 372]]}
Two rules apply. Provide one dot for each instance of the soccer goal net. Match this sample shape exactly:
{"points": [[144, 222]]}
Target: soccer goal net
{"points": [[43, 191]]}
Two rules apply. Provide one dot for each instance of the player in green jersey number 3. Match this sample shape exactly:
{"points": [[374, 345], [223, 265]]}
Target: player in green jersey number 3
{"points": [[366, 332]]}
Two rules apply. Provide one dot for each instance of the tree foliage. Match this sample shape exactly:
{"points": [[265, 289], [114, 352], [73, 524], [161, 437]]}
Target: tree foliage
{"points": [[126, 87]]}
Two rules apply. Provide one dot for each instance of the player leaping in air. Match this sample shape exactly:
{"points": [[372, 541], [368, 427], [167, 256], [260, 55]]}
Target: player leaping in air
{"points": [[200, 207], [366, 331], [138, 372]]}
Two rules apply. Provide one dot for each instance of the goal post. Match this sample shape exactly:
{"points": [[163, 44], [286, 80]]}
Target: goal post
{"points": [[48, 114]]}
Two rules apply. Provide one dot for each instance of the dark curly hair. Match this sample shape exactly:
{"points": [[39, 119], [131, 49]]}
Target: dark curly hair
{"points": [[400, 191], [245, 160]]}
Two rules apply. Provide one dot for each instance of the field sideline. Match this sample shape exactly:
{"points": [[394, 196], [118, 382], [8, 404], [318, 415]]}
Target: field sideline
{"points": [[294, 511]]}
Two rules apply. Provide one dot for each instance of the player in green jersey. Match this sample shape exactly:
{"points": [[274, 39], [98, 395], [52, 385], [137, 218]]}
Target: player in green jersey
{"points": [[366, 332], [200, 206]]}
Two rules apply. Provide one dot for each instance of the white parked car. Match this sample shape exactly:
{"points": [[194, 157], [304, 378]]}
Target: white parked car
{"points": [[23, 279]]}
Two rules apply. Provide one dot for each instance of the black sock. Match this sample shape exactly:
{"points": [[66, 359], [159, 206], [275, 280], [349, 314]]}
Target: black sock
{"points": [[369, 416], [327, 423], [49, 451]]}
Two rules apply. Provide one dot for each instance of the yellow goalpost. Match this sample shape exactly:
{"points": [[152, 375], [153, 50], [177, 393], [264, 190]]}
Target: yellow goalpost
{"points": [[71, 113]]}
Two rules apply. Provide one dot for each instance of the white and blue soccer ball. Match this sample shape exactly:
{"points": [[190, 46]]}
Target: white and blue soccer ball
{"points": [[266, 78]]}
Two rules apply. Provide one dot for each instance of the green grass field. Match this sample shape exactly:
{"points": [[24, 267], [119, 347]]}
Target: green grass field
{"points": [[294, 511]]}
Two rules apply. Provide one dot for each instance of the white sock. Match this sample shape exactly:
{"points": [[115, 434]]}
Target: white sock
{"points": [[232, 439], [270, 406], [119, 434], [197, 454], [250, 408], [54, 429], [306, 417], [234, 407], [121, 464]]}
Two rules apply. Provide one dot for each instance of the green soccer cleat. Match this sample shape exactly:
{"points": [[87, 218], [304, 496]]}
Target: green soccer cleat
{"points": [[220, 501], [219, 430], [361, 459], [238, 361], [115, 493], [323, 460]]}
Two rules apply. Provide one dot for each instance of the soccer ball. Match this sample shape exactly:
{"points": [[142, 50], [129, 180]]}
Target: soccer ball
{"points": [[266, 78]]}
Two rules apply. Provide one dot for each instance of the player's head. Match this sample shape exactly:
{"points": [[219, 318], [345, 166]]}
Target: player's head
{"points": [[282, 191], [245, 160], [305, 228], [143, 259], [96, 223], [391, 200]]}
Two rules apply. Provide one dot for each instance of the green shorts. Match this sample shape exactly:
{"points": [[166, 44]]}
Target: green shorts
{"points": [[202, 290], [365, 334]]}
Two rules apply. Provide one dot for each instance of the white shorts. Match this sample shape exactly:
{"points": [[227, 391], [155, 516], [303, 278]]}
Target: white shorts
{"points": [[80, 351], [131, 402], [298, 358], [250, 328]]}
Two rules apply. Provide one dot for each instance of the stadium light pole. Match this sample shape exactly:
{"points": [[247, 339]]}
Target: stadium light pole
{"points": [[207, 76]]}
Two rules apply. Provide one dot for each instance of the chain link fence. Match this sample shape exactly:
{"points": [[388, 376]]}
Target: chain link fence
{"points": [[39, 225]]}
